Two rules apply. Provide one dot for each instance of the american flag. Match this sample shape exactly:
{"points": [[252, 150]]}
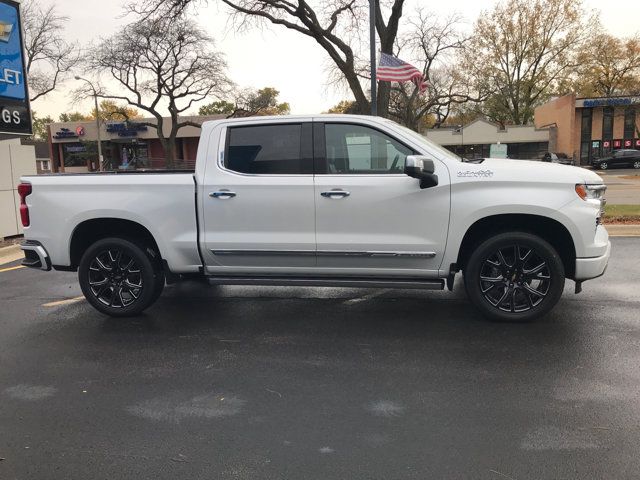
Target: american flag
{"points": [[392, 69]]}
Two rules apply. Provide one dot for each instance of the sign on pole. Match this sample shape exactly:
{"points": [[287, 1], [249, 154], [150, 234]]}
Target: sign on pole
{"points": [[498, 150], [15, 113]]}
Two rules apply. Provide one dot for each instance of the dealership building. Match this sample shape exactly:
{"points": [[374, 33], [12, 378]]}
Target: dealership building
{"points": [[130, 144], [590, 128]]}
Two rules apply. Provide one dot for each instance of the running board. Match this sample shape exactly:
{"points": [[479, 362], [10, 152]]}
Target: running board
{"points": [[352, 282]]}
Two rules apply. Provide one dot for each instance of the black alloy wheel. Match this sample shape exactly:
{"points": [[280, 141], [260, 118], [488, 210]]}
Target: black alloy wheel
{"points": [[603, 165], [514, 276], [636, 164], [115, 278], [120, 278]]}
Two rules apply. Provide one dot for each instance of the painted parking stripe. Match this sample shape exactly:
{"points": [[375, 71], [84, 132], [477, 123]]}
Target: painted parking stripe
{"points": [[11, 268], [63, 302]]}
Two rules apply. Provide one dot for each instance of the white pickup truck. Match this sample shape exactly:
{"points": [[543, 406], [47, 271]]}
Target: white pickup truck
{"points": [[330, 200]]}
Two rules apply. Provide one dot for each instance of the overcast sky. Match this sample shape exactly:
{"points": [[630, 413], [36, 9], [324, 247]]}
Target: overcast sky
{"points": [[276, 57]]}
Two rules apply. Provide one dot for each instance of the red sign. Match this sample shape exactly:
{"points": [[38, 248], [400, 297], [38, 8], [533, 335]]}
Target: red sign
{"points": [[638, 143], [606, 144], [617, 143], [628, 143], [80, 130]]}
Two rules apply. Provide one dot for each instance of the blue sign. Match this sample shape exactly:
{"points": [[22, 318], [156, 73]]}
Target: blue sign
{"points": [[15, 114], [12, 82], [610, 102], [126, 129], [65, 133]]}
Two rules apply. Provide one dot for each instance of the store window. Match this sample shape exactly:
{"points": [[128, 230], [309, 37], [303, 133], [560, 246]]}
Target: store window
{"points": [[585, 130], [585, 136], [629, 122], [607, 123]]}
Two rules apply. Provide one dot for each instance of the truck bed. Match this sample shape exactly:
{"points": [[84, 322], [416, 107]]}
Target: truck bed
{"points": [[161, 201]]}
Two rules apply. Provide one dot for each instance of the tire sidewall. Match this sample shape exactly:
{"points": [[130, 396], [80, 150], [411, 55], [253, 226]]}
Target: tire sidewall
{"points": [[488, 247], [148, 272]]}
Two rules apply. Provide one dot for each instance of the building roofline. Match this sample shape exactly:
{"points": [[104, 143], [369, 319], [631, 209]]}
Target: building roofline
{"points": [[606, 98]]}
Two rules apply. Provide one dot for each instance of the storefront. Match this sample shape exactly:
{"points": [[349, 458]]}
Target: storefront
{"points": [[591, 128], [125, 145], [482, 139]]}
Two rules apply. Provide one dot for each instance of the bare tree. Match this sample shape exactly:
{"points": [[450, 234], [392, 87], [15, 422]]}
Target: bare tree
{"points": [[336, 25], [48, 57], [162, 65], [434, 43], [159, 8]]}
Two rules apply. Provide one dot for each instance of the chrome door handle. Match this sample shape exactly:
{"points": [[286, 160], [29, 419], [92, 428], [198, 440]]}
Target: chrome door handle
{"points": [[335, 193], [222, 194]]}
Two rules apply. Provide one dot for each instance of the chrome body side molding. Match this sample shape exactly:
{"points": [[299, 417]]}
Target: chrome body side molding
{"points": [[326, 253]]}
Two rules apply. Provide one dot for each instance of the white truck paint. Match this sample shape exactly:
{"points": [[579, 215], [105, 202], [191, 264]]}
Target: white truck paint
{"points": [[369, 227]]}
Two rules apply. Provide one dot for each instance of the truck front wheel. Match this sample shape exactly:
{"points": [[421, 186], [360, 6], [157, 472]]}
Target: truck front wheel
{"points": [[119, 278], [514, 276]]}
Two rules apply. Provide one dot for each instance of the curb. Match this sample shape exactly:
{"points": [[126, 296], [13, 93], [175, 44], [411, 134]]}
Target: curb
{"points": [[10, 254]]}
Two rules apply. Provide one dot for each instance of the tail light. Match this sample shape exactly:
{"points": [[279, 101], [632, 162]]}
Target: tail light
{"points": [[24, 190]]}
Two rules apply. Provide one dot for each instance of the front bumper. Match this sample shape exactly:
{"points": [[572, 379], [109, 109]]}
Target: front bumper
{"points": [[35, 256], [587, 268]]}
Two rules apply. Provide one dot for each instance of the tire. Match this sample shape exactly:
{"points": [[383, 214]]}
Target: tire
{"points": [[636, 164], [120, 278], [603, 166], [517, 291]]}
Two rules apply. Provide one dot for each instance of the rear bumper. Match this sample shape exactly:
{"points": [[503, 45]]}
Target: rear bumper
{"points": [[35, 256], [587, 268]]}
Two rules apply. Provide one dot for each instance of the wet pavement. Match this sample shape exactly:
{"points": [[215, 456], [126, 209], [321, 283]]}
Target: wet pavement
{"points": [[288, 383]]}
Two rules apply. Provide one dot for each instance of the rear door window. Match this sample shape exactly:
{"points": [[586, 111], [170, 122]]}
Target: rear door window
{"points": [[266, 150]]}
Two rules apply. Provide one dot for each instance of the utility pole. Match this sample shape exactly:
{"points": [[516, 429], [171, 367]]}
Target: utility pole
{"points": [[95, 98], [372, 46]]}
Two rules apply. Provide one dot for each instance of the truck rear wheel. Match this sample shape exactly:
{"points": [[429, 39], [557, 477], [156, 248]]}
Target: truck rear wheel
{"points": [[119, 278], [514, 276]]}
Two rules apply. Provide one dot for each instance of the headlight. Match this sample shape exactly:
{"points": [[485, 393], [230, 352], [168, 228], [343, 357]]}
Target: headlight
{"points": [[591, 192]]}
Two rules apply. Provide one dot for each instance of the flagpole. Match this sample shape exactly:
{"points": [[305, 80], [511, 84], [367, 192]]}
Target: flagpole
{"points": [[372, 44]]}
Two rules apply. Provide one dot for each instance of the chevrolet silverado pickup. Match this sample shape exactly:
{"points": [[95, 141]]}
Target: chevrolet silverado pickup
{"points": [[328, 200]]}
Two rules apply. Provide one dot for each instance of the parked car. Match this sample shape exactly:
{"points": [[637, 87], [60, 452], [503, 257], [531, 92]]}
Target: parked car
{"points": [[336, 200], [562, 158], [619, 158]]}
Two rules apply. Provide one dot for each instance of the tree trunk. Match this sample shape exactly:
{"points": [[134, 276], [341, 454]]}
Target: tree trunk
{"points": [[169, 147]]}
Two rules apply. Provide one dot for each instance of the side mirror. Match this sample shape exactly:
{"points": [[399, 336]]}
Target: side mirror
{"points": [[422, 168]]}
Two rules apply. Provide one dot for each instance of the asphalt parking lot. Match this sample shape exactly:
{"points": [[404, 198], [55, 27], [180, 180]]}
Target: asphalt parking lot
{"points": [[286, 383]]}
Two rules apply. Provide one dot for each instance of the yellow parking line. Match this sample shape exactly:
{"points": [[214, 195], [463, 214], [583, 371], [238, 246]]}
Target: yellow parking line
{"points": [[11, 268], [63, 302]]}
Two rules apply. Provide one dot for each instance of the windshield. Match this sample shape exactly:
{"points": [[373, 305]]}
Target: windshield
{"points": [[423, 139]]}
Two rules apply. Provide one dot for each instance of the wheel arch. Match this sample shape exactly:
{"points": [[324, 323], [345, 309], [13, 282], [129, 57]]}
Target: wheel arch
{"points": [[546, 228], [90, 231]]}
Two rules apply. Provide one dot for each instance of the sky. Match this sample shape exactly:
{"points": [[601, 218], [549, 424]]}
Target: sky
{"points": [[274, 56]]}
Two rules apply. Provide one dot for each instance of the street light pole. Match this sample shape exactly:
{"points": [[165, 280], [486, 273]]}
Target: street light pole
{"points": [[95, 99], [372, 48]]}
